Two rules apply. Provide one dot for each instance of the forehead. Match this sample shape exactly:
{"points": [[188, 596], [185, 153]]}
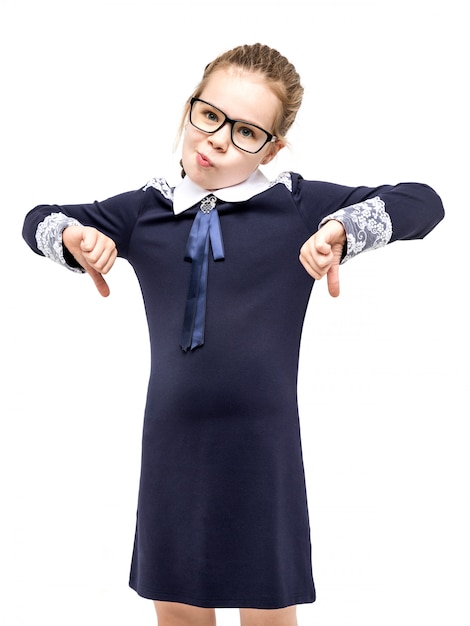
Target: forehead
{"points": [[243, 96]]}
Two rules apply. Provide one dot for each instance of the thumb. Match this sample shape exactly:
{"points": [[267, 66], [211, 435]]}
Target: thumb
{"points": [[323, 247], [99, 281], [332, 278], [89, 236]]}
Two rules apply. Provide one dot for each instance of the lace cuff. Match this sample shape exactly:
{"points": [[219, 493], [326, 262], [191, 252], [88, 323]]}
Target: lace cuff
{"points": [[49, 238], [368, 226]]}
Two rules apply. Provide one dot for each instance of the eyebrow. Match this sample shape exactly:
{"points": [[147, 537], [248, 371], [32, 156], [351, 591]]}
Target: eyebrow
{"points": [[235, 119]]}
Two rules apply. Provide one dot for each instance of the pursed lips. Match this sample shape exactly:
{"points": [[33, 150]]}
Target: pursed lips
{"points": [[203, 160]]}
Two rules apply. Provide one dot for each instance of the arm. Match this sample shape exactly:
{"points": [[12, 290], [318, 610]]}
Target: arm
{"points": [[64, 240], [85, 237], [414, 209], [406, 211]]}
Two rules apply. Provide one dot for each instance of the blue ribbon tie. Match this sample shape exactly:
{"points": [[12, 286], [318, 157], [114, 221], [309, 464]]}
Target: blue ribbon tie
{"points": [[205, 229]]}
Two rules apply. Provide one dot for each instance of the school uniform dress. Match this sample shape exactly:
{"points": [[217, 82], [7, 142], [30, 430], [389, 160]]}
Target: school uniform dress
{"points": [[222, 515]]}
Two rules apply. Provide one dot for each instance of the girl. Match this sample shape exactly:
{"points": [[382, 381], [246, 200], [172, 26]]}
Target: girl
{"points": [[222, 514]]}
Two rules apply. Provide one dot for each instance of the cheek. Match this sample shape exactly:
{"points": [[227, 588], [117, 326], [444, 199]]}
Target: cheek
{"points": [[189, 136], [186, 140], [187, 146]]}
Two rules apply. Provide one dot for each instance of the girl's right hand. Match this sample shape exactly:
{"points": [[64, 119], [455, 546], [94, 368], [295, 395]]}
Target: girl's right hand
{"points": [[94, 251]]}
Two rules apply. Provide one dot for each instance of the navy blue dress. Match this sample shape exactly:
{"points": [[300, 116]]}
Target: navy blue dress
{"points": [[222, 515]]}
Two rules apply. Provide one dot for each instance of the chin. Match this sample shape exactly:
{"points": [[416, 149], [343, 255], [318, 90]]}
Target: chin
{"points": [[205, 181]]}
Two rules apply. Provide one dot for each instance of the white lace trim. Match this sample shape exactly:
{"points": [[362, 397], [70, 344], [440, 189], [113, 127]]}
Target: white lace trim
{"points": [[162, 186], [49, 238], [368, 226], [284, 178]]}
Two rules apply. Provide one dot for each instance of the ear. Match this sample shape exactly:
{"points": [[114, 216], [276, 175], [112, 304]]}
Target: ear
{"points": [[273, 150]]}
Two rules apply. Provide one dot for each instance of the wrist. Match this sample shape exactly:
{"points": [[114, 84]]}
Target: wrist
{"points": [[336, 229], [50, 239]]}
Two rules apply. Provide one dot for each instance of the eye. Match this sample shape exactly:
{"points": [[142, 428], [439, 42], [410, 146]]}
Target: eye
{"points": [[247, 132], [211, 116]]}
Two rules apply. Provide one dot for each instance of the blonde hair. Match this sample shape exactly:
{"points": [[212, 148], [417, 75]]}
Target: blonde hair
{"points": [[260, 59]]}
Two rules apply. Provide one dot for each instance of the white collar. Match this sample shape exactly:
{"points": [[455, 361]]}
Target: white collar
{"points": [[187, 193]]}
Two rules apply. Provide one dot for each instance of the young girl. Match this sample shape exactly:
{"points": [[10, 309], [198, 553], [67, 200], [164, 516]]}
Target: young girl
{"points": [[222, 514]]}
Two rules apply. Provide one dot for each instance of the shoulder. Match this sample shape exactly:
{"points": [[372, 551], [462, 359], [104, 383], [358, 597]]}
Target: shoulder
{"points": [[161, 185], [303, 190], [284, 178]]}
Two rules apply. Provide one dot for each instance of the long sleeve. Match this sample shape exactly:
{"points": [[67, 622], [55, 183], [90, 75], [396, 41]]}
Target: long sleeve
{"points": [[372, 217], [116, 217]]}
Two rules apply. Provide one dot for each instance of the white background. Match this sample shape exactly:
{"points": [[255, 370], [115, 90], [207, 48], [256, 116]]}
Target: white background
{"points": [[92, 93]]}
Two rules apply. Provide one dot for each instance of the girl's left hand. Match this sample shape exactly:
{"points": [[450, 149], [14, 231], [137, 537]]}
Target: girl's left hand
{"points": [[321, 254]]}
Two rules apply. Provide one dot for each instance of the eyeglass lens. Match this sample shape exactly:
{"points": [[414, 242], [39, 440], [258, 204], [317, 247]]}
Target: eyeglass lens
{"points": [[209, 119]]}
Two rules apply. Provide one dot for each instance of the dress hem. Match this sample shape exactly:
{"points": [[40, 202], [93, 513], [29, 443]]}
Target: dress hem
{"points": [[221, 603]]}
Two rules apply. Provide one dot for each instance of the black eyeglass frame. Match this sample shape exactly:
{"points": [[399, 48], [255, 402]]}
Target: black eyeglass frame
{"points": [[270, 138]]}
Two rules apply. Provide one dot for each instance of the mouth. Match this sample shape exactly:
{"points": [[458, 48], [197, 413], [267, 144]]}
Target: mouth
{"points": [[202, 160]]}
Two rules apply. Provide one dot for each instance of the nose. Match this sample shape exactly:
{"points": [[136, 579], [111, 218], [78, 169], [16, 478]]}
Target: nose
{"points": [[221, 139]]}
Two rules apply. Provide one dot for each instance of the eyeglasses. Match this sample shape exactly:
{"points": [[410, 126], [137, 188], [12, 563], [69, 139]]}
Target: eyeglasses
{"points": [[210, 119]]}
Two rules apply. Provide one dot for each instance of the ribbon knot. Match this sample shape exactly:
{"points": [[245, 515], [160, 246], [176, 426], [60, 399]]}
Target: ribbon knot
{"points": [[205, 230]]}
